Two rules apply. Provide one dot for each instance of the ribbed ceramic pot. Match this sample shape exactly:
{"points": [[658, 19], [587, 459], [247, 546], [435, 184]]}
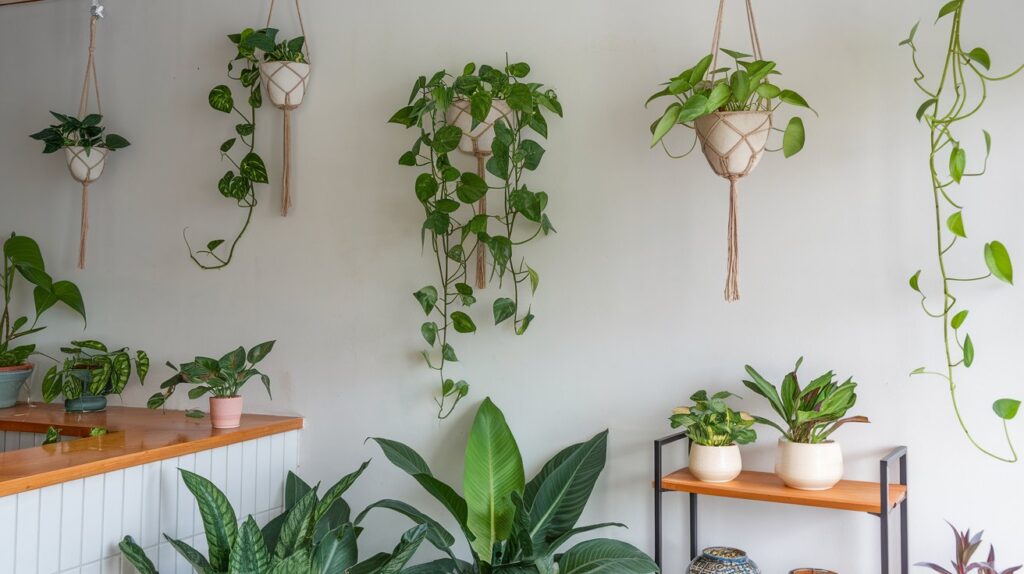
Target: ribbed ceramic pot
{"points": [[11, 380], [809, 466], [722, 560], [86, 402], [715, 463], [225, 412]]}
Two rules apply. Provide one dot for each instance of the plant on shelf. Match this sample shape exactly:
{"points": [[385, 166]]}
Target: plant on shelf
{"points": [[91, 371], [314, 535], [237, 184], [453, 225], [959, 93], [86, 133], [966, 546], [716, 431], [808, 459], [22, 258], [513, 525], [222, 378]]}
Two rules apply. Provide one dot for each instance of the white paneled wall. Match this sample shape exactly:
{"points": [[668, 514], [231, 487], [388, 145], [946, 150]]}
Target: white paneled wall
{"points": [[76, 526], [10, 440]]}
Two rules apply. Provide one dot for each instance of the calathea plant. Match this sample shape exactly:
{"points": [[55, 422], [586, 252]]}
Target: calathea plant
{"points": [[452, 226], [238, 184], [710, 421], [314, 535], [86, 132], [958, 94], [91, 365], [514, 525]]}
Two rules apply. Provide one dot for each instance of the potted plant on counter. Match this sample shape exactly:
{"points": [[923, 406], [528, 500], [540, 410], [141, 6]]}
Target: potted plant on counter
{"points": [[90, 372], [806, 459], [715, 431], [222, 378], [22, 257]]}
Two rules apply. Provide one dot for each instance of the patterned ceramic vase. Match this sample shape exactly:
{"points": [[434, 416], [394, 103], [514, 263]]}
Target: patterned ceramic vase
{"points": [[720, 560]]}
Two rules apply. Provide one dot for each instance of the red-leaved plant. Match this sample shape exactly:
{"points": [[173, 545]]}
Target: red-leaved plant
{"points": [[966, 546]]}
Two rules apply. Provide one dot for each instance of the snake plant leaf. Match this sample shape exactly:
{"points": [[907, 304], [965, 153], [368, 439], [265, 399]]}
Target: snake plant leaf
{"points": [[136, 556], [219, 520], [793, 138], [298, 526], [604, 556], [436, 534], [560, 500], [493, 471], [998, 261], [249, 556], [191, 555], [1006, 409]]}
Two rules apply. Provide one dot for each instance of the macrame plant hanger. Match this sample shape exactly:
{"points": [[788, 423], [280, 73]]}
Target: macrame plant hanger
{"points": [[92, 169], [747, 139], [286, 84]]}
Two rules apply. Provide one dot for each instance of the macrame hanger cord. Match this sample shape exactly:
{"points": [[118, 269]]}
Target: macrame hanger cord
{"points": [[286, 195], [95, 13]]}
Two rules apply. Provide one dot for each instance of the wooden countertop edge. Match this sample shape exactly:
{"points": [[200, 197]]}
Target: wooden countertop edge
{"points": [[16, 485]]}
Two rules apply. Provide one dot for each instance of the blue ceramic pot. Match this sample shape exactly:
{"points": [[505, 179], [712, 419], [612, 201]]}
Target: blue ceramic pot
{"points": [[721, 560], [11, 380], [86, 402]]}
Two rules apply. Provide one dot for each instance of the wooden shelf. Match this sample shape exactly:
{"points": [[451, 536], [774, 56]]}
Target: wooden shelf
{"points": [[750, 485]]}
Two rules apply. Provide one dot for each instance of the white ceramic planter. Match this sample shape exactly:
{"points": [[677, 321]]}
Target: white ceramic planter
{"points": [[809, 466], [734, 142], [715, 463], [286, 82], [483, 134], [85, 166]]}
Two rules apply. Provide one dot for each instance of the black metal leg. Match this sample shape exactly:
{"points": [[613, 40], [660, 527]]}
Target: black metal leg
{"points": [[883, 513], [657, 503], [904, 522], [693, 526]]}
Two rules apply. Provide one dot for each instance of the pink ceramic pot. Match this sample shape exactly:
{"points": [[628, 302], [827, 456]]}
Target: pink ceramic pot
{"points": [[225, 412]]}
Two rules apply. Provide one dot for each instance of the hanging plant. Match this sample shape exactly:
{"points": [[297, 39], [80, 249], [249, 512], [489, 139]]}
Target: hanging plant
{"points": [[959, 93], [237, 184], [731, 111], [455, 225]]}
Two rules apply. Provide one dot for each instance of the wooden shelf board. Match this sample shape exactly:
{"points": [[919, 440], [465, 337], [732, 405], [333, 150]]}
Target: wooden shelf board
{"points": [[135, 436], [765, 486]]}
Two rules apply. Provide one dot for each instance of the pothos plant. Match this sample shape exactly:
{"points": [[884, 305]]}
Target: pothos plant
{"points": [[70, 131], [958, 94], [710, 421], [452, 225], [109, 370], [748, 85], [238, 184]]}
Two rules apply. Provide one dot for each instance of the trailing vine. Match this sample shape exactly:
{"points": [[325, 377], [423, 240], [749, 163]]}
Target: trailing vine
{"points": [[960, 93], [238, 184], [453, 226]]}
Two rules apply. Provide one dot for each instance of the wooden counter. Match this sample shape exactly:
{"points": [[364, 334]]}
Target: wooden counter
{"points": [[134, 436]]}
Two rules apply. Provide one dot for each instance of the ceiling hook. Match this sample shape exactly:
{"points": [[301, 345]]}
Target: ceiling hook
{"points": [[96, 9]]}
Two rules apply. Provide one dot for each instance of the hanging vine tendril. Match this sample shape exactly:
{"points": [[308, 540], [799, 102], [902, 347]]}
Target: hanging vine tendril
{"points": [[960, 93]]}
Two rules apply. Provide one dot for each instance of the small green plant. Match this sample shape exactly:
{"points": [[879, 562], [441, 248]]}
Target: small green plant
{"points": [[966, 546], [22, 257], [109, 370], [97, 431], [52, 436], [710, 421], [810, 414], [277, 51], [72, 132], [220, 378], [700, 91], [237, 184], [452, 226], [512, 525], [959, 94], [314, 535]]}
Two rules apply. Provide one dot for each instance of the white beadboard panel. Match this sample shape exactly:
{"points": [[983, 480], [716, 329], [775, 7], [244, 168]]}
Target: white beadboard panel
{"points": [[49, 528], [82, 521]]}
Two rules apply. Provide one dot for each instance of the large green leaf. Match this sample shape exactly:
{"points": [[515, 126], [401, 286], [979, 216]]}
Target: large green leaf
{"points": [[298, 527], [249, 556], [436, 534], [136, 556], [404, 551], [336, 552], [564, 493], [24, 251], [762, 387], [493, 471], [442, 566], [193, 556], [403, 456], [604, 556], [294, 489], [333, 494], [998, 261], [297, 563], [793, 138], [219, 520]]}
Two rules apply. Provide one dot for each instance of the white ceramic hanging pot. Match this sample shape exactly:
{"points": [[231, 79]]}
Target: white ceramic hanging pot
{"points": [[715, 463], [459, 114], [734, 142], [85, 166], [809, 466], [286, 82]]}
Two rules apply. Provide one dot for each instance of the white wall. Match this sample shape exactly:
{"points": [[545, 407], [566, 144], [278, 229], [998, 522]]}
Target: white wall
{"points": [[630, 319]]}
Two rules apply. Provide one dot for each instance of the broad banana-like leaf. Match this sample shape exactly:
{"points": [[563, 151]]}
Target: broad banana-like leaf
{"points": [[403, 456], [565, 492], [556, 543], [136, 556], [493, 471], [249, 556], [219, 519], [605, 556], [436, 534]]}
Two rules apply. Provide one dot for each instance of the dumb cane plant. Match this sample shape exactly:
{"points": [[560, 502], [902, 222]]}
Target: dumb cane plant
{"points": [[222, 377], [810, 414], [108, 371], [512, 525], [710, 421], [960, 93], [453, 227], [314, 535]]}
